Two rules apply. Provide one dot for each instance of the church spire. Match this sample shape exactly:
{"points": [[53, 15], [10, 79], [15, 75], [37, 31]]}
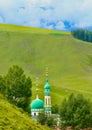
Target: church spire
{"points": [[37, 88]]}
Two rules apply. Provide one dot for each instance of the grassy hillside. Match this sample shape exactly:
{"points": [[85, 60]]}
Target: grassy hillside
{"points": [[13, 119], [23, 29], [69, 60]]}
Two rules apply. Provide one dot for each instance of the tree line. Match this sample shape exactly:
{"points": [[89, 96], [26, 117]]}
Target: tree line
{"points": [[82, 34]]}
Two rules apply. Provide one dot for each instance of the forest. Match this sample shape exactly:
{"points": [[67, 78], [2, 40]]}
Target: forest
{"points": [[82, 34]]}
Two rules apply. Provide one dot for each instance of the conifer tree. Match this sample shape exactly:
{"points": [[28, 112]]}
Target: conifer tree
{"points": [[18, 87]]}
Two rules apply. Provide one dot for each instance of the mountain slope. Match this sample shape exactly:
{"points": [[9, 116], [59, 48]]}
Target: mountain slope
{"points": [[69, 60], [12, 118]]}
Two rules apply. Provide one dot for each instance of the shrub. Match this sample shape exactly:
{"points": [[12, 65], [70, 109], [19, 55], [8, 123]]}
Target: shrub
{"points": [[76, 112]]}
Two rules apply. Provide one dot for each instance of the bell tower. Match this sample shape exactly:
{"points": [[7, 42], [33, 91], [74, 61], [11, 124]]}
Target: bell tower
{"points": [[47, 96]]}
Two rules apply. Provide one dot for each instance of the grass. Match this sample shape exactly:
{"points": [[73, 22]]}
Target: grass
{"points": [[69, 60], [12, 118]]}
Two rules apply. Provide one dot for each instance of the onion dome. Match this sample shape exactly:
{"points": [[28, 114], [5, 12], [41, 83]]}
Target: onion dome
{"points": [[47, 85], [37, 104]]}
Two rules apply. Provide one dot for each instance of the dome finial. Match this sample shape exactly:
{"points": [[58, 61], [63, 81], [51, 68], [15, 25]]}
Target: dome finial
{"points": [[37, 88], [47, 74]]}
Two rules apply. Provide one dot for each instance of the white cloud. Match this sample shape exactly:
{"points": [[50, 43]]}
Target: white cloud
{"points": [[4, 3], [34, 23], [81, 24], [49, 26], [60, 26], [43, 2], [38, 2], [30, 12], [1, 19]]}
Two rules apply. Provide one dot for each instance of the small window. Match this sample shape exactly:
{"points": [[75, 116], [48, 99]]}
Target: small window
{"points": [[34, 114]]}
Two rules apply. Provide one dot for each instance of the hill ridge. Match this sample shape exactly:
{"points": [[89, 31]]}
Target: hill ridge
{"points": [[19, 28]]}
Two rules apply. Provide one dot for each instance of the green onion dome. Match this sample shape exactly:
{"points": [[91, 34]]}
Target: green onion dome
{"points": [[47, 85], [37, 104]]}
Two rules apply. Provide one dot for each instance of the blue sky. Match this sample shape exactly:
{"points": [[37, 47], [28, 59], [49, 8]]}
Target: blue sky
{"points": [[51, 14]]}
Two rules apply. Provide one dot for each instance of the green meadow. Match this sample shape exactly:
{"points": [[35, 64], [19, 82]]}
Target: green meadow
{"points": [[69, 60]]}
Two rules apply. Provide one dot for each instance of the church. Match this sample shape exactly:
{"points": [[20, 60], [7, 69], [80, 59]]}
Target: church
{"points": [[38, 105]]}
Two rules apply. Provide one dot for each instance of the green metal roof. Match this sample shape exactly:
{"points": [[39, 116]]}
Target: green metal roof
{"points": [[37, 104], [47, 86]]}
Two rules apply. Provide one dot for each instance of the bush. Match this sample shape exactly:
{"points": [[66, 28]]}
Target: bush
{"points": [[42, 118], [45, 119], [55, 109], [76, 112], [2, 85]]}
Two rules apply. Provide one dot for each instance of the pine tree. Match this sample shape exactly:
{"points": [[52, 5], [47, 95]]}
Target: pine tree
{"points": [[18, 87]]}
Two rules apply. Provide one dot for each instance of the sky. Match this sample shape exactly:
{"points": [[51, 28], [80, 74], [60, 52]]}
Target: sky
{"points": [[50, 14]]}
